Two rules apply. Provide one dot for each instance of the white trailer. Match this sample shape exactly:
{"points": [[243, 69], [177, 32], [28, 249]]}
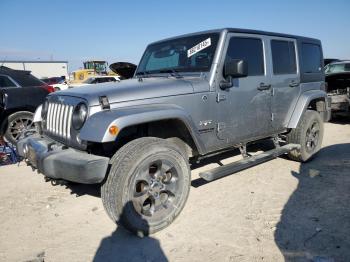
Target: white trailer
{"points": [[40, 69]]}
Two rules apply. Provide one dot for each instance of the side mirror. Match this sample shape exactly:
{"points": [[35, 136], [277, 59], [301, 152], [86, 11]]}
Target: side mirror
{"points": [[233, 68], [236, 68]]}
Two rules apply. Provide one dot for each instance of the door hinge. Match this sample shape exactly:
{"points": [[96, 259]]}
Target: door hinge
{"points": [[220, 97], [221, 126]]}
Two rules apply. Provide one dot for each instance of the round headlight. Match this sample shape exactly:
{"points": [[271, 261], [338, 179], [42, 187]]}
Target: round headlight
{"points": [[44, 109], [79, 116]]}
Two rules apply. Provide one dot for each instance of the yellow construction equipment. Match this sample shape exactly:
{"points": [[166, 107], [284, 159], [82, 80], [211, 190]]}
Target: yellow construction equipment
{"points": [[91, 68]]}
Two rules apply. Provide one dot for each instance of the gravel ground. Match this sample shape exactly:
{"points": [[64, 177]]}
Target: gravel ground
{"points": [[277, 211]]}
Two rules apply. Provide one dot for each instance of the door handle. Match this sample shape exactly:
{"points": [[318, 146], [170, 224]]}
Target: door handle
{"points": [[264, 86], [294, 84]]}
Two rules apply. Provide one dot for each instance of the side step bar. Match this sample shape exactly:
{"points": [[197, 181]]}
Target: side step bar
{"points": [[245, 163]]}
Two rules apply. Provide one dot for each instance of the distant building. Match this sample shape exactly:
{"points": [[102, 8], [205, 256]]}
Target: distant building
{"points": [[40, 69]]}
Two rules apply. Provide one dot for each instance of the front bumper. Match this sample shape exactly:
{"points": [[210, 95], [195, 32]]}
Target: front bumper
{"points": [[56, 161]]}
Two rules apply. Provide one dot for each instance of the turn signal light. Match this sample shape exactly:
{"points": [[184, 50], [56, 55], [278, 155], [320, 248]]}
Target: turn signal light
{"points": [[113, 130]]}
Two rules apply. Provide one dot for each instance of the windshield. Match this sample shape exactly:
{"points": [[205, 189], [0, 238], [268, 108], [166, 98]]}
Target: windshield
{"points": [[186, 54], [337, 68], [97, 66]]}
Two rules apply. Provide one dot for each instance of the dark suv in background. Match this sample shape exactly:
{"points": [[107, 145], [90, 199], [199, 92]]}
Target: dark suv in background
{"points": [[20, 95], [338, 86]]}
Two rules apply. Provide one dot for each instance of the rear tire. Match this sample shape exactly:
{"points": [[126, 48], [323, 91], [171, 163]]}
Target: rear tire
{"points": [[147, 186], [308, 134], [18, 123]]}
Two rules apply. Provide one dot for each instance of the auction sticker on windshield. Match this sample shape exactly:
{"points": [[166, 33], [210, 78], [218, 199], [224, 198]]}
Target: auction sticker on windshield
{"points": [[202, 45]]}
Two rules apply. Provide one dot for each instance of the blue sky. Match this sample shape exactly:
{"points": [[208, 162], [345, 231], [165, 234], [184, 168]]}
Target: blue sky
{"points": [[120, 30]]}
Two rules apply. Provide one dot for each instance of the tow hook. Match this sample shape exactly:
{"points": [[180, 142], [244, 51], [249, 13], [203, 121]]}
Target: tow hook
{"points": [[25, 151], [26, 156]]}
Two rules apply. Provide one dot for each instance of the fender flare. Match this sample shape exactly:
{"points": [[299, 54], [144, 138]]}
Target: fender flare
{"points": [[303, 103], [96, 128]]}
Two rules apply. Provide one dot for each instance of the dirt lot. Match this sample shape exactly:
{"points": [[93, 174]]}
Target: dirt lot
{"points": [[277, 211]]}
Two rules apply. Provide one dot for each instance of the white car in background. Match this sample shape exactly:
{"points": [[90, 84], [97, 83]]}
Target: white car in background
{"points": [[90, 81]]}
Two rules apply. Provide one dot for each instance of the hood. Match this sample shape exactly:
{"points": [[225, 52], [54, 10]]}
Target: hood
{"points": [[131, 89], [124, 69]]}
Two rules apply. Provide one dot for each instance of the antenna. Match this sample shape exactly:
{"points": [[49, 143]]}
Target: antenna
{"points": [[4, 61]]}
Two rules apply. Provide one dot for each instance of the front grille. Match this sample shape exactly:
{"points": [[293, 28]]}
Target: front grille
{"points": [[59, 119], [57, 124]]}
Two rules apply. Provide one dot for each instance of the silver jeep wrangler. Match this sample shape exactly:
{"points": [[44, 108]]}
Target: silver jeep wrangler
{"points": [[191, 96]]}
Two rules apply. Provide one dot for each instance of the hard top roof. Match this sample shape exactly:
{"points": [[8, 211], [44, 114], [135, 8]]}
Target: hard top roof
{"points": [[246, 31]]}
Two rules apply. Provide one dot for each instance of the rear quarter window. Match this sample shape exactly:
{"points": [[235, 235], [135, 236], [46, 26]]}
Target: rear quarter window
{"points": [[311, 58]]}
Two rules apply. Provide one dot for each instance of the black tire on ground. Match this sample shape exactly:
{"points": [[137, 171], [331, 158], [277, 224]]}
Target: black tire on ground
{"points": [[17, 123], [147, 186], [308, 134]]}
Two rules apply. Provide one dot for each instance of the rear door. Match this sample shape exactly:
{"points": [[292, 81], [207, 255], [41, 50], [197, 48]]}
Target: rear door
{"points": [[285, 80]]}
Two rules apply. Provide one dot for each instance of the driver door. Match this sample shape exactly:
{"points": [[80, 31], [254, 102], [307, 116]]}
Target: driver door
{"points": [[245, 108]]}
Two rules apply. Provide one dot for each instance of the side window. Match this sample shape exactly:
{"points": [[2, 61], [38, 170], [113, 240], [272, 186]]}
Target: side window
{"points": [[312, 58], [283, 57], [249, 49], [347, 67], [6, 82]]}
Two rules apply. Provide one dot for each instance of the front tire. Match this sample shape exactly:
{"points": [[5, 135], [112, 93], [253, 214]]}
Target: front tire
{"points": [[147, 186], [308, 134]]}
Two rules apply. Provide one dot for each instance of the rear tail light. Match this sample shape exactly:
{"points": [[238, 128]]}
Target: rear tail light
{"points": [[49, 88]]}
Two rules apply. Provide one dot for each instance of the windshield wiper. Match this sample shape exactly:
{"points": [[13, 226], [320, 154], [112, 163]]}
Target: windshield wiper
{"points": [[172, 72], [142, 73]]}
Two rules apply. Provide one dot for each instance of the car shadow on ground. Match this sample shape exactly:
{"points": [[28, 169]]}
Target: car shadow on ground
{"points": [[78, 189], [314, 225], [341, 119], [315, 222], [124, 246]]}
